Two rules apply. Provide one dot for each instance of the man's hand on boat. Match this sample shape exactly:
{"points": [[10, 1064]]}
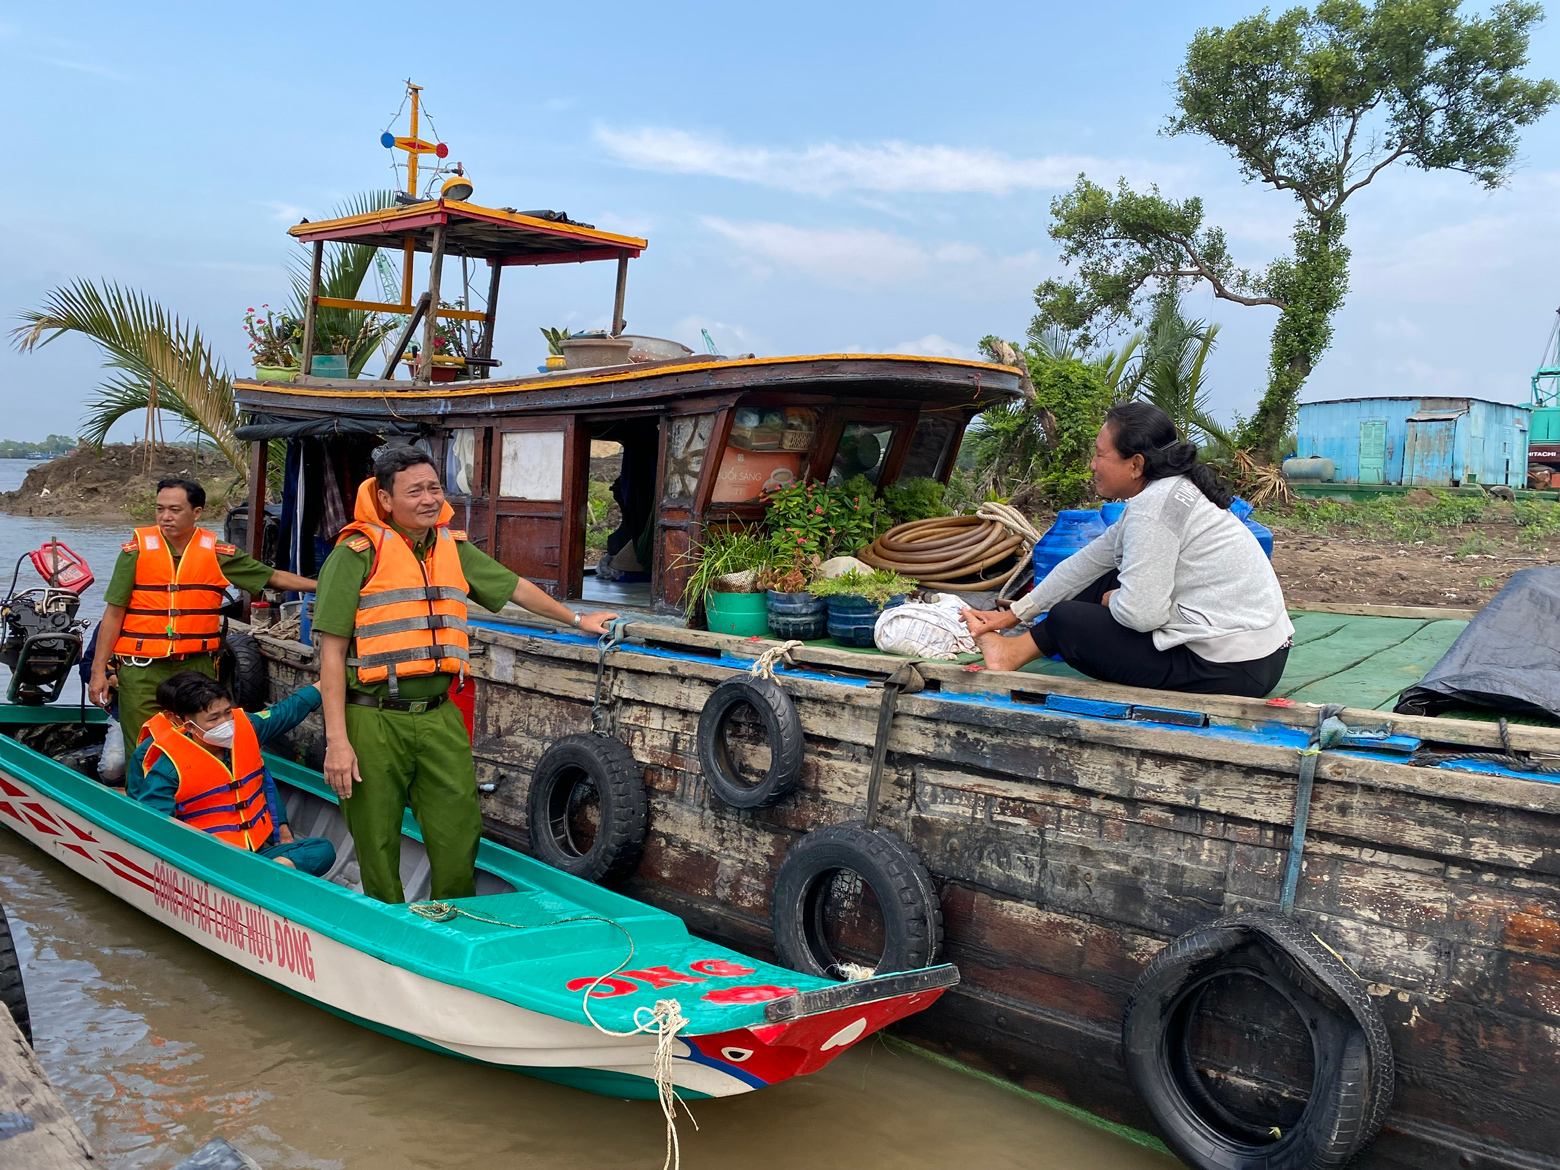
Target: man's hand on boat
{"points": [[533, 598]]}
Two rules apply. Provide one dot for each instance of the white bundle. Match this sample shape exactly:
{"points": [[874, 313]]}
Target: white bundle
{"points": [[111, 764], [920, 629]]}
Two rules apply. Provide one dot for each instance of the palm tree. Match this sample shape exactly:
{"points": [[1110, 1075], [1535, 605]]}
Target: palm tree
{"points": [[160, 361], [1172, 371], [353, 332]]}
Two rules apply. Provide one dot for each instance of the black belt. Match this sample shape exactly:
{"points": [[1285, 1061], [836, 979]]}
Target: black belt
{"points": [[413, 705]]}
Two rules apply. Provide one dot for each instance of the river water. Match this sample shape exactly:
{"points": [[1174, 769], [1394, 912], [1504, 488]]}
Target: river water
{"points": [[157, 1046]]}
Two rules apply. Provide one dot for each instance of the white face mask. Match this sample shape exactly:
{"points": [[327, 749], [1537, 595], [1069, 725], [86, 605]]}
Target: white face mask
{"points": [[220, 736]]}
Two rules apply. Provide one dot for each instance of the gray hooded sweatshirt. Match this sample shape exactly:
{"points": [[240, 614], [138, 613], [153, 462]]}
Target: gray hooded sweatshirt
{"points": [[1191, 574]]}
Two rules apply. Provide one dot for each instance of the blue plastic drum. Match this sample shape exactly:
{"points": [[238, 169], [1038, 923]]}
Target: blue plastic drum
{"points": [[1073, 529]]}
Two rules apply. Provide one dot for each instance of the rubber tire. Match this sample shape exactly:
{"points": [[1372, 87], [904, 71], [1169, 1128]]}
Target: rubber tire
{"points": [[12, 994], [625, 808], [912, 912], [1351, 1089], [782, 726], [242, 668]]}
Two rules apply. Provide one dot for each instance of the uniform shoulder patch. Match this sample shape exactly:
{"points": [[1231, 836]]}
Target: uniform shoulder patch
{"points": [[458, 534], [359, 543], [227, 550], [128, 546]]}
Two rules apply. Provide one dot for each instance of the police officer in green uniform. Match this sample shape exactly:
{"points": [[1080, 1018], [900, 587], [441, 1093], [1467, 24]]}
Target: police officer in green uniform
{"points": [[180, 503], [398, 742]]}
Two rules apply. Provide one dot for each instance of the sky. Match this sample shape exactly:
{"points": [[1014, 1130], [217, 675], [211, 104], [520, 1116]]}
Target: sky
{"points": [[812, 178]]}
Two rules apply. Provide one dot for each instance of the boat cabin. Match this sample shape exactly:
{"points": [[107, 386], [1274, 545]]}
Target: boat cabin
{"points": [[698, 438]]}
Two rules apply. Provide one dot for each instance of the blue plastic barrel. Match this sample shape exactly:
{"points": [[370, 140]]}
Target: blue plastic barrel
{"points": [[1073, 529], [852, 618], [1242, 511], [1111, 511]]}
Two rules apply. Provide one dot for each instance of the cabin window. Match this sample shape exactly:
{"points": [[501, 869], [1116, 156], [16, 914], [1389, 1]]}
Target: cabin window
{"points": [[532, 466], [460, 461], [769, 448], [863, 450], [687, 442], [928, 446]]}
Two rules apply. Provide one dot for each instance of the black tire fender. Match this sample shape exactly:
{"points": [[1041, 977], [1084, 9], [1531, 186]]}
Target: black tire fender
{"points": [[556, 788], [1352, 1061], [242, 668], [12, 994], [782, 727], [912, 912]]}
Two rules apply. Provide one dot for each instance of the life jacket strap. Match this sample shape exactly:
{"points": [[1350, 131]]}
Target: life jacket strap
{"points": [[425, 621], [412, 593]]}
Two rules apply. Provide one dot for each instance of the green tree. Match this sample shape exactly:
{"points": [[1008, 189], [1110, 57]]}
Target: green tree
{"points": [[1316, 104], [1174, 371]]}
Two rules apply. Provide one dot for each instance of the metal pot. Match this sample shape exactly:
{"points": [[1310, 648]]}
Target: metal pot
{"points": [[654, 349]]}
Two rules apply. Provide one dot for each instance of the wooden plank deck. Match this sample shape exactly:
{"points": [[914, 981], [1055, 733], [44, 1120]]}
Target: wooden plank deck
{"points": [[38, 1131]]}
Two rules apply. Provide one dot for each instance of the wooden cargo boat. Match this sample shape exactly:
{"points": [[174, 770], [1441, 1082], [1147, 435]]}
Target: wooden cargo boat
{"points": [[1069, 829], [501, 978]]}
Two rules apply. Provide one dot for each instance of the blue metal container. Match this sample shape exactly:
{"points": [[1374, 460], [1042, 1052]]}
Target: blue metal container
{"points": [[852, 618], [1242, 512], [1073, 529], [798, 615]]}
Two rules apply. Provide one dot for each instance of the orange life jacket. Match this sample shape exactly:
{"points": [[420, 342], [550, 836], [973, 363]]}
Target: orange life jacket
{"points": [[228, 802], [173, 611], [411, 615]]}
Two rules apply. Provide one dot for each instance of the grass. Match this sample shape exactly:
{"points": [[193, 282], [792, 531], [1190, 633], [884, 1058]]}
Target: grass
{"points": [[1395, 518]]}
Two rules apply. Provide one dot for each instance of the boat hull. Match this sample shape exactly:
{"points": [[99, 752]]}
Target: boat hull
{"points": [[454, 1020]]}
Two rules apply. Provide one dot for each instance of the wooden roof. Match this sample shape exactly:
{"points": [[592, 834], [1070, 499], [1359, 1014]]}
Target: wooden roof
{"points": [[880, 378], [501, 235]]}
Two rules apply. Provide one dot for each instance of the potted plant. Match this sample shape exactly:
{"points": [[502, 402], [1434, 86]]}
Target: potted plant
{"points": [[555, 339], [724, 581], [271, 338], [855, 600], [793, 611]]}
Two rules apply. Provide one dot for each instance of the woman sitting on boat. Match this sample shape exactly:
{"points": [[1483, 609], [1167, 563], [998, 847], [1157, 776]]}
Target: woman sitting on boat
{"points": [[199, 761], [1176, 595]]}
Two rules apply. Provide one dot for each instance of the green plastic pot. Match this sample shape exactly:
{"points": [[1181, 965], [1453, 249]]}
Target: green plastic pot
{"points": [[743, 614], [275, 373]]}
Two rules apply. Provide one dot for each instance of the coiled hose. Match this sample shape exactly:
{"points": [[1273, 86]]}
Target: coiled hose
{"points": [[939, 551]]}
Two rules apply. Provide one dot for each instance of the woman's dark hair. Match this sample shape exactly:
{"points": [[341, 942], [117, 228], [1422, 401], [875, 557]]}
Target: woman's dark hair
{"points": [[1141, 428], [193, 492], [391, 461], [189, 692]]}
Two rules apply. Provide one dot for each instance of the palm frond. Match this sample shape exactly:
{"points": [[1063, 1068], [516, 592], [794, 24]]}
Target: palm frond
{"points": [[148, 347], [353, 332]]}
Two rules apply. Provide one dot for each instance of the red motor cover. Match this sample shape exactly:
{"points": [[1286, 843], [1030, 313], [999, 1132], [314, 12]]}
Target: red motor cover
{"points": [[60, 567]]}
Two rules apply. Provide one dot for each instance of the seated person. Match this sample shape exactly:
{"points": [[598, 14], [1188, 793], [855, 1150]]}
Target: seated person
{"points": [[192, 750], [1176, 595]]}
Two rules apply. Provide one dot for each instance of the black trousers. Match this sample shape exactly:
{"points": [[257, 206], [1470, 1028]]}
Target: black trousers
{"points": [[1091, 640]]}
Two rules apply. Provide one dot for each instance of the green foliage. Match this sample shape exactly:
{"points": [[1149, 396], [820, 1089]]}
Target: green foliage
{"points": [[150, 350], [915, 499], [722, 551], [1394, 517], [1316, 104], [598, 505], [1039, 451], [555, 339], [1174, 371], [355, 333], [878, 586], [811, 520], [51, 445]]}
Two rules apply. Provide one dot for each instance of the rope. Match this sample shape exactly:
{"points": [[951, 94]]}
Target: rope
{"points": [[1330, 730], [1506, 756], [616, 632], [665, 1020], [939, 551], [764, 665]]}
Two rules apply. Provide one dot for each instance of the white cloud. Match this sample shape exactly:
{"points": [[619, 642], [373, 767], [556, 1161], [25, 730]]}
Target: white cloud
{"points": [[831, 167], [834, 255], [935, 345]]}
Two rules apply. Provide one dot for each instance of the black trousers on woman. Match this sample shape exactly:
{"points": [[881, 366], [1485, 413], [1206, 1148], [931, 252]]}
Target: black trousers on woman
{"points": [[1091, 640]]}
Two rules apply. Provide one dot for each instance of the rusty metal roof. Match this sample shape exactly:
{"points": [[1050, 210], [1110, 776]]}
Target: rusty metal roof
{"points": [[501, 235]]}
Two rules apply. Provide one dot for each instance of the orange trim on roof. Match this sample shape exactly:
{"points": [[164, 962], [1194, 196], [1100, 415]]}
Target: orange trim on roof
{"points": [[617, 375], [389, 217]]}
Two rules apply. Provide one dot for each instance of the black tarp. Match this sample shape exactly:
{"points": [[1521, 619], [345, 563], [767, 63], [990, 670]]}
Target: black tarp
{"points": [[264, 427], [1508, 659]]}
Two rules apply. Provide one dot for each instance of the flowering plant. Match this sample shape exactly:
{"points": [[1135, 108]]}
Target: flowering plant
{"points": [[811, 520], [271, 337], [448, 337]]}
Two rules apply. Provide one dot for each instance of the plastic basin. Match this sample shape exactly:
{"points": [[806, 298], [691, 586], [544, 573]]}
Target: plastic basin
{"points": [[743, 614], [852, 618], [798, 615]]}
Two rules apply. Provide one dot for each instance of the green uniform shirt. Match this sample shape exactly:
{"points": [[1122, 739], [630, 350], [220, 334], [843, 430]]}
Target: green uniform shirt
{"points": [[241, 569], [344, 574]]}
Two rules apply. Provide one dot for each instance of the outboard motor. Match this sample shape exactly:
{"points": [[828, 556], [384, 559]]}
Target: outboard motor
{"points": [[40, 635]]}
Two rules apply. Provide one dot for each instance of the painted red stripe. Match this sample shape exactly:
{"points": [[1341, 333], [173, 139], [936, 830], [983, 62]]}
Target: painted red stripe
{"points": [[125, 861], [76, 829], [41, 811], [130, 878], [78, 849], [41, 827], [11, 789], [7, 808]]}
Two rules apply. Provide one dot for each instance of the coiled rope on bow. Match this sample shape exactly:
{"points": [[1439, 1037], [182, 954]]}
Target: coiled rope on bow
{"points": [[939, 551], [665, 1020]]}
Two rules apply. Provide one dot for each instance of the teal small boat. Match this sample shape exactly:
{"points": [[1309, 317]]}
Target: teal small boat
{"points": [[541, 972]]}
